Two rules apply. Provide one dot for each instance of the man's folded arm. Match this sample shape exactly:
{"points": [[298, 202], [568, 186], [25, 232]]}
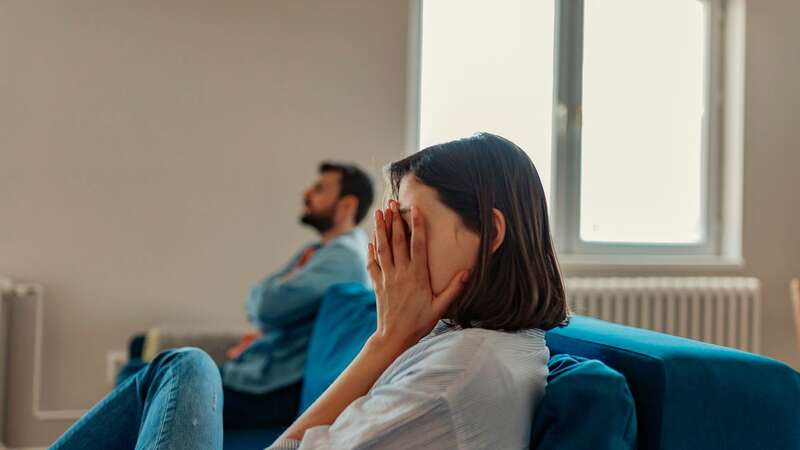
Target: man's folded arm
{"points": [[281, 300]]}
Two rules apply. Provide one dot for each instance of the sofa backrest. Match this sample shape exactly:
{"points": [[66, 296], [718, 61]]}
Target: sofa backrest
{"points": [[692, 395], [345, 321]]}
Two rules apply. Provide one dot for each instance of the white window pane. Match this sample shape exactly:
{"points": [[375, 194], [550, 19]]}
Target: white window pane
{"points": [[488, 66], [643, 105]]}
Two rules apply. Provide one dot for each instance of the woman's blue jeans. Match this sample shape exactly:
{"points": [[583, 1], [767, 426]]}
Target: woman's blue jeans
{"points": [[174, 403]]}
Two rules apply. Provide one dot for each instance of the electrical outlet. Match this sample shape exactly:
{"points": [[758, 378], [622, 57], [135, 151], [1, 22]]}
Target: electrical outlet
{"points": [[115, 360]]}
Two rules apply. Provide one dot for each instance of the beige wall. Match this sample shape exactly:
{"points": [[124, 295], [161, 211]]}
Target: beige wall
{"points": [[772, 165], [152, 155]]}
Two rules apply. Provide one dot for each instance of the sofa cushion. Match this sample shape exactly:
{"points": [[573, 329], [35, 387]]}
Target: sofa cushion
{"points": [[689, 394], [345, 321], [586, 405]]}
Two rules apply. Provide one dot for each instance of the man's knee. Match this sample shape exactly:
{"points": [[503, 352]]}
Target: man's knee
{"points": [[195, 357], [196, 361], [189, 360], [190, 369]]}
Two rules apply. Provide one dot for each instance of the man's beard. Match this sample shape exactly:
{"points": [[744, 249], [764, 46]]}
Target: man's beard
{"points": [[321, 222]]}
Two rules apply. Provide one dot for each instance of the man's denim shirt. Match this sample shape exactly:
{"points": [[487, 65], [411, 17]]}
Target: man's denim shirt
{"points": [[285, 310]]}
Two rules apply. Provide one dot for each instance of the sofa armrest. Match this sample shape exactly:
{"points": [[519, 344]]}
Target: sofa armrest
{"points": [[215, 341]]}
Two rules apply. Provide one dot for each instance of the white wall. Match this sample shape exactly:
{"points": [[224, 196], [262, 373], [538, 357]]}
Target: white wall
{"points": [[152, 155]]}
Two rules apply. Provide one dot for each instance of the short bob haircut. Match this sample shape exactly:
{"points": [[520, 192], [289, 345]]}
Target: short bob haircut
{"points": [[519, 286]]}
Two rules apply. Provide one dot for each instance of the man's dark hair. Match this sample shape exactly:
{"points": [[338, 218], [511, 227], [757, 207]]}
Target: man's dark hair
{"points": [[518, 286], [354, 181]]}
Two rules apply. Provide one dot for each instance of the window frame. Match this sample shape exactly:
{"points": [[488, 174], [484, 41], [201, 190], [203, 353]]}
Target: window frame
{"points": [[567, 115], [566, 140]]}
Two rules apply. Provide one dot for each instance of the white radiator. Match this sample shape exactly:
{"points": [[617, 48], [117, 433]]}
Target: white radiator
{"points": [[6, 291], [722, 311], [10, 291]]}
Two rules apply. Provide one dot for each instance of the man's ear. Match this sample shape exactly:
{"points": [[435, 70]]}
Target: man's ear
{"points": [[348, 205], [499, 229]]}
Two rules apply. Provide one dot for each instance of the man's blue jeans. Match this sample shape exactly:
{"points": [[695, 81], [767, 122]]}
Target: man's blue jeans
{"points": [[174, 403], [276, 408]]}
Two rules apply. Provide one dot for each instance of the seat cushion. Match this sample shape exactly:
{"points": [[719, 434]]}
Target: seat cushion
{"points": [[689, 394], [345, 321], [586, 405], [250, 438]]}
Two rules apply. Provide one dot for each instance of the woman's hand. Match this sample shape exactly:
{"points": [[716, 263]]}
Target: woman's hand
{"points": [[407, 311], [406, 306]]}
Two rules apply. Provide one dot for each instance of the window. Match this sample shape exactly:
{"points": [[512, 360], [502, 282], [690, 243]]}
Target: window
{"points": [[618, 103], [488, 67]]}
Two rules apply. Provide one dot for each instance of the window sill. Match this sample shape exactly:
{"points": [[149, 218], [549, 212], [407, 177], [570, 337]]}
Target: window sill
{"points": [[700, 262]]}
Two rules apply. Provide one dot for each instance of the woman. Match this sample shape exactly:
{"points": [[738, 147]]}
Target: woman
{"points": [[466, 282]]}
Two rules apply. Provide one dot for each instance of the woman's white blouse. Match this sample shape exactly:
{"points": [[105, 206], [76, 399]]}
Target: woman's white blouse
{"points": [[456, 389]]}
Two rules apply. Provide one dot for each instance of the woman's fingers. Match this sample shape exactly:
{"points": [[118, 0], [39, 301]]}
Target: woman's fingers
{"points": [[419, 245], [399, 246], [383, 248], [442, 301], [387, 217], [373, 268]]}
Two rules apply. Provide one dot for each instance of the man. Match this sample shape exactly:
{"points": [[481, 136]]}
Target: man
{"points": [[262, 381]]}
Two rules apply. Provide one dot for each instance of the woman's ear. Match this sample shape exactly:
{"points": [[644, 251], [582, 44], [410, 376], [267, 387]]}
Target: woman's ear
{"points": [[499, 224]]}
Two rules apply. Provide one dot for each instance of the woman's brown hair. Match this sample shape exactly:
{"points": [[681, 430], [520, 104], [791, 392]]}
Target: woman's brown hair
{"points": [[519, 285]]}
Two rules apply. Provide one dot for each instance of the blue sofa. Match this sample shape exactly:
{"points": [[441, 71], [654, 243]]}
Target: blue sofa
{"points": [[640, 389]]}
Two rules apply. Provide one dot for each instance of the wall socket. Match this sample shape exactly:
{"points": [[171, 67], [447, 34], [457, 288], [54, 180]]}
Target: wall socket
{"points": [[115, 359]]}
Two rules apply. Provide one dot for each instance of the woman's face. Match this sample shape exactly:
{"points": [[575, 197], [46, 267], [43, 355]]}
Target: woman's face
{"points": [[451, 246]]}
